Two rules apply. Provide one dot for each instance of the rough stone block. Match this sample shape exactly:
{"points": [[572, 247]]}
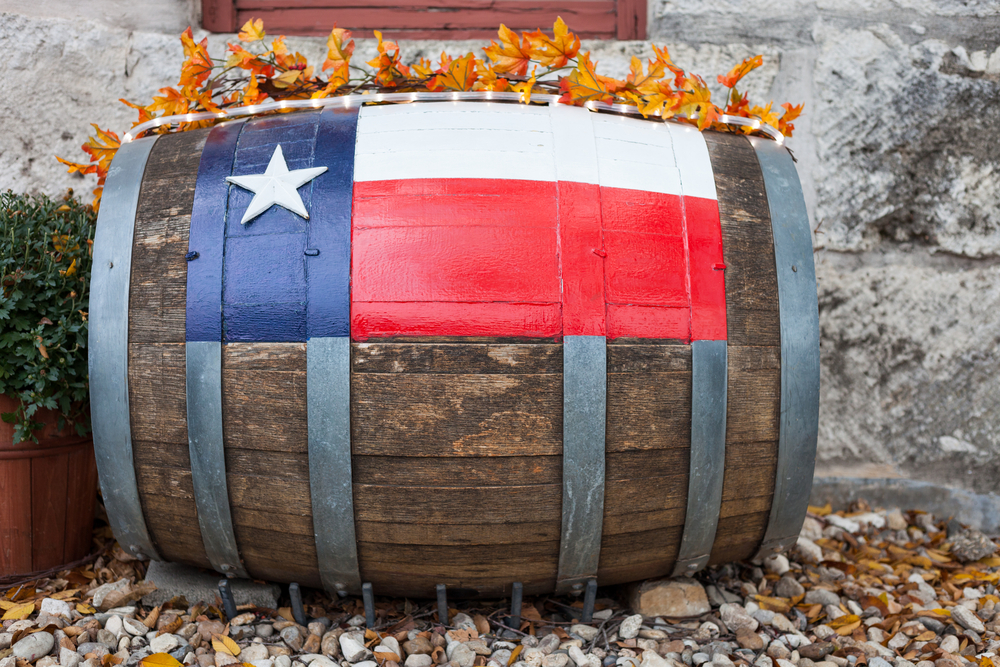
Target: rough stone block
{"points": [[172, 579], [669, 597]]}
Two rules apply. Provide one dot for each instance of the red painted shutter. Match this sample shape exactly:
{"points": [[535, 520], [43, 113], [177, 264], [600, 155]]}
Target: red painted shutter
{"points": [[431, 19]]}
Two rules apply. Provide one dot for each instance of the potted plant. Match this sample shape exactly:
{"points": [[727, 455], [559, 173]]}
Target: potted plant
{"points": [[48, 478]]}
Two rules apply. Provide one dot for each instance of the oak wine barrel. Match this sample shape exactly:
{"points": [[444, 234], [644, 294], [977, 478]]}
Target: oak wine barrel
{"points": [[489, 343]]}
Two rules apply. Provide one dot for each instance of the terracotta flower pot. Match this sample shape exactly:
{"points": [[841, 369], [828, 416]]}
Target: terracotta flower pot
{"points": [[47, 496]]}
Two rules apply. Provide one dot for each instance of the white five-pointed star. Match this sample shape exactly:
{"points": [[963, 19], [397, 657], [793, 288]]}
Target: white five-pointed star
{"points": [[276, 185]]}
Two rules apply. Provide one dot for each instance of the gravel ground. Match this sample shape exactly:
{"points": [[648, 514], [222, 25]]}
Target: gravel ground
{"points": [[864, 587]]}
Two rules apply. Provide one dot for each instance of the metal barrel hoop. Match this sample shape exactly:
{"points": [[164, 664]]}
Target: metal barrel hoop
{"points": [[585, 397], [798, 306], [108, 347]]}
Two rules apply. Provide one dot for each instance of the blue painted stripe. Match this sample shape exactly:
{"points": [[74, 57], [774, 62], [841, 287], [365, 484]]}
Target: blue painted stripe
{"points": [[256, 282], [328, 274], [264, 293], [208, 234]]}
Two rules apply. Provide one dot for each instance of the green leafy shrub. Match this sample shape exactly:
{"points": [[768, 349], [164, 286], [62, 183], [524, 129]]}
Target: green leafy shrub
{"points": [[45, 260]]}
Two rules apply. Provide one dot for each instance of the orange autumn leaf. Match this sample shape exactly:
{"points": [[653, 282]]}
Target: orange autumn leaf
{"points": [[735, 74], [198, 65], [252, 31], [339, 48], [77, 167], [645, 82], [696, 102], [172, 102], [554, 52], [488, 79], [785, 125], [102, 148], [340, 77], [525, 88], [512, 55], [765, 115], [663, 57], [423, 68], [460, 75], [583, 84], [390, 71]]}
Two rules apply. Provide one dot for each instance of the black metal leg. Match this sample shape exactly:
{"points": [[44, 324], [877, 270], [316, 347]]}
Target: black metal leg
{"points": [[442, 594], [369, 598], [516, 593], [589, 597], [298, 611], [228, 602]]}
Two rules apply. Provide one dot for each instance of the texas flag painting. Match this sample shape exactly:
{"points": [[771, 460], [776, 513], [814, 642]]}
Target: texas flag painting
{"points": [[456, 219]]}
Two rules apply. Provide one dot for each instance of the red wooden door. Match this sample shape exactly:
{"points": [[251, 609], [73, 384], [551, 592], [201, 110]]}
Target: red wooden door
{"points": [[431, 19]]}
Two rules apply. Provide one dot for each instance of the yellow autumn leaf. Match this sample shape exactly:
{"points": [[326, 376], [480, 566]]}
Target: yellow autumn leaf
{"points": [[160, 660], [7, 604], [779, 605], [65, 595], [252, 31], [285, 79], [845, 630], [820, 511], [845, 620], [513, 655], [85, 609], [224, 644], [19, 612]]}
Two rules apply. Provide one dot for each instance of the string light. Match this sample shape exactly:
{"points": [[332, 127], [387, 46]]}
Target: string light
{"points": [[349, 101]]}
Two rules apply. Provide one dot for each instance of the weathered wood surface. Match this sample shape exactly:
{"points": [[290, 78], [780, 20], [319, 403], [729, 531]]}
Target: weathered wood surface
{"points": [[754, 341], [457, 463], [156, 371]]}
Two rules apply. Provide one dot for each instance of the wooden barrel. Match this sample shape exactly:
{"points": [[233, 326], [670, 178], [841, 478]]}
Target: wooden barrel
{"points": [[490, 343]]}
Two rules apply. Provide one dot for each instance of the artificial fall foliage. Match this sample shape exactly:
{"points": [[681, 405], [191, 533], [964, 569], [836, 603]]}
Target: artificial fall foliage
{"points": [[254, 72]]}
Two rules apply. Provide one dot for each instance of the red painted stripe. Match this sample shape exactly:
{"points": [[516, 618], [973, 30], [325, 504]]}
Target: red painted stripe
{"points": [[455, 264], [464, 202], [648, 322], [528, 320], [479, 257], [582, 253], [708, 279]]}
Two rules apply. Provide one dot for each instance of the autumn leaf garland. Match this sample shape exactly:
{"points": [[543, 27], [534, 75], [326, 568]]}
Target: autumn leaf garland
{"points": [[526, 63]]}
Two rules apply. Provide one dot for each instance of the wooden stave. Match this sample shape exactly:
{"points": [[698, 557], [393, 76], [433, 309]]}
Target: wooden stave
{"points": [[156, 368]]}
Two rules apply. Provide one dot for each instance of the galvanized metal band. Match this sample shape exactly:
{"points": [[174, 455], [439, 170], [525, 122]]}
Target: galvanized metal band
{"points": [[208, 456], [328, 388], [799, 422], [709, 377], [585, 398], [108, 347]]}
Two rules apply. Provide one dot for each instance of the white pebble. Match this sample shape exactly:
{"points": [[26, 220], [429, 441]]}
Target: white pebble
{"points": [[629, 628], [56, 608], [776, 564]]}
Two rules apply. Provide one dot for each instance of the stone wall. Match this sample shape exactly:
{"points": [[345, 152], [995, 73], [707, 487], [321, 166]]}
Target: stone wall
{"points": [[899, 154]]}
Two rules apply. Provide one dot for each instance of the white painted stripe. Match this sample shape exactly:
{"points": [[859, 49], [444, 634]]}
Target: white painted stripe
{"points": [[463, 140], [519, 142], [575, 146], [635, 155], [693, 160]]}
